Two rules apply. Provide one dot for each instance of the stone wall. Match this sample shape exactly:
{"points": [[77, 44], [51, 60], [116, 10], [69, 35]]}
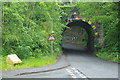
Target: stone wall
{"points": [[100, 32]]}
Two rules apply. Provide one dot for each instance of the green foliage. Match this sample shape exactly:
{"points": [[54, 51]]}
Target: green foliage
{"points": [[65, 11], [27, 27], [108, 56], [107, 14], [98, 46]]}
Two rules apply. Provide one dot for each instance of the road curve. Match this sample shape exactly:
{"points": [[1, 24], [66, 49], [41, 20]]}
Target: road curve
{"points": [[83, 65]]}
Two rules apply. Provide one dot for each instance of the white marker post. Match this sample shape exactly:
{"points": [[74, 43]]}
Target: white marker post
{"points": [[51, 40], [117, 56]]}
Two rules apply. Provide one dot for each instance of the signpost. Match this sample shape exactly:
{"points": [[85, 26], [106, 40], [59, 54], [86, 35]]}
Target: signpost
{"points": [[51, 38]]}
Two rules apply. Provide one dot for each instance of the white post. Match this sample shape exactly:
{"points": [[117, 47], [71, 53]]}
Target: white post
{"points": [[51, 41]]}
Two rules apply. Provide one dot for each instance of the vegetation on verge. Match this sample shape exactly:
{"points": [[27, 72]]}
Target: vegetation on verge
{"points": [[30, 62], [27, 27]]}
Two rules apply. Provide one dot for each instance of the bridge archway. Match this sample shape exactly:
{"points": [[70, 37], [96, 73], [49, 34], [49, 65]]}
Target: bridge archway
{"points": [[88, 26]]}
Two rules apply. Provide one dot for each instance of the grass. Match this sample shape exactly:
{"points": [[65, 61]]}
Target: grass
{"points": [[30, 62], [108, 56]]}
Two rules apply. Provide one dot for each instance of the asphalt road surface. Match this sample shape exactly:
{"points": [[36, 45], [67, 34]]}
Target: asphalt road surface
{"points": [[83, 65]]}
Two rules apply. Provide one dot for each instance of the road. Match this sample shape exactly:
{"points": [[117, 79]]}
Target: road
{"points": [[83, 65]]}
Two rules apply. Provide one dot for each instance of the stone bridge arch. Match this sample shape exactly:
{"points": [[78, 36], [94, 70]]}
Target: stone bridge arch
{"points": [[88, 26]]}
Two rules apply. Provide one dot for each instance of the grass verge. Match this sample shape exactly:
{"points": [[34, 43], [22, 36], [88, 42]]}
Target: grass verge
{"points": [[30, 62], [108, 56]]}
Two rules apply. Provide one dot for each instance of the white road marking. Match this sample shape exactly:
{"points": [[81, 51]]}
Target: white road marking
{"points": [[80, 74], [73, 75], [76, 71]]}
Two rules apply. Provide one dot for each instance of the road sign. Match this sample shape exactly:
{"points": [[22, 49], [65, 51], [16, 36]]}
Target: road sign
{"points": [[51, 38], [77, 18]]}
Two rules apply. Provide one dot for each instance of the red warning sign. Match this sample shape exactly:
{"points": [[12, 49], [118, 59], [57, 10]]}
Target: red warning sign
{"points": [[77, 18], [51, 38]]}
